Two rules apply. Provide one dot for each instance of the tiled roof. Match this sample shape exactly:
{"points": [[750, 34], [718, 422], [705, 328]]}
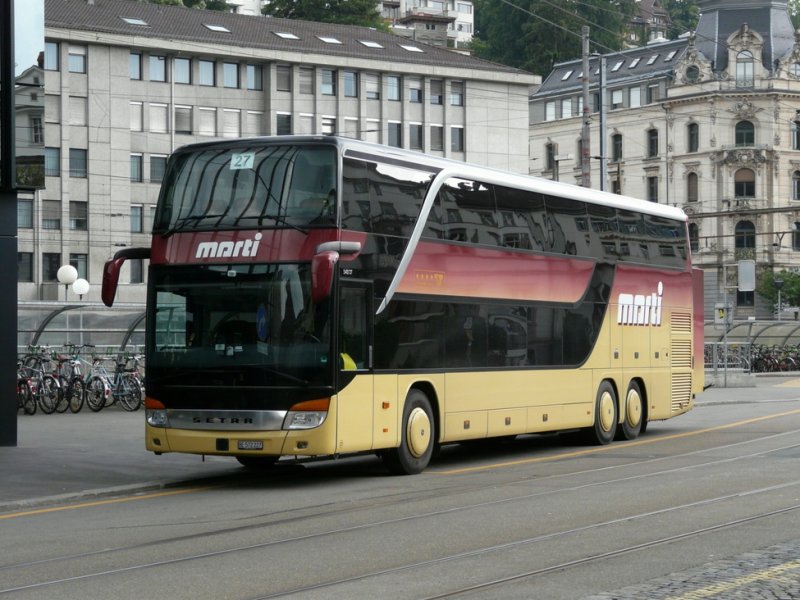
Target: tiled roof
{"points": [[635, 64], [176, 23]]}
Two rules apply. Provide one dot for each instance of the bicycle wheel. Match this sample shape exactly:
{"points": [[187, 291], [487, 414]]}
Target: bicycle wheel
{"points": [[25, 397], [47, 391], [96, 393], [62, 404], [130, 398], [75, 394]]}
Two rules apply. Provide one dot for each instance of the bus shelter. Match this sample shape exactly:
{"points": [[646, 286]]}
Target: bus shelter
{"points": [[760, 333], [57, 324]]}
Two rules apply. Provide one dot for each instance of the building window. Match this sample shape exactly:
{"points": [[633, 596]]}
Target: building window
{"points": [[158, 68], [796, 185], [372, 86], [745, 235], [77, 162], [182, 70], [51, 214], [616, 147], [692, 137], [77, 59], [745, 133], [51, 56], [393, 88], [24, 214], [652, 189], [350, 129], [283, 78], [437, 138], [306, 76], [255, 79], [744, 69], [183, 119], [456, 93], [137, 161], [691, 187], [305, 124], [207, 72], [231, 123], [78, 107], [328, 87], [78, 215], [635, 97], [796, 237], [135, 66], [415, 141], [207, 121], [137, 218], [457, 139], [373, 131], [283, 124], [395, 135], [81, 264], [796, 134], [350, 84], [550, 111], [414, 89], [653, 94], [437, 91], [328, 125], [158, 164], [744, 183], [616, 99], [254, 123], [137, 270], [25, 266], [230, 75], [652, 143], [137, 116], [549, 156], [159, 118], [52, 162], [694, 237], [566, 108], [51, 261]]}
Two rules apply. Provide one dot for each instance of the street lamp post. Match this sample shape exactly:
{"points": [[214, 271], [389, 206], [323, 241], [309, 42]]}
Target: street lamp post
{"points": [[67, 274], [778, 283]]}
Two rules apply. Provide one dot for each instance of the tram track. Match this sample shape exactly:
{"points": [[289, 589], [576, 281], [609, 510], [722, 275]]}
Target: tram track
{"points": [[392, 499]]}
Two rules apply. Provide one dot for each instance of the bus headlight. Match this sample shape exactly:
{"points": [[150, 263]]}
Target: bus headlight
{"points": [[155, 412], [307, 415]]}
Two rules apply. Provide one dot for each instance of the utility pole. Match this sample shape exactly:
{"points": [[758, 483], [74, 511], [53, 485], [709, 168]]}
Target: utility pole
{"points": [[586, 165]]}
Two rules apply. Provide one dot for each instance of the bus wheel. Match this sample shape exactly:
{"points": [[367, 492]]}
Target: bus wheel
{"points": [[257, 463], [605, 416], [416, 445], [632, 413]]}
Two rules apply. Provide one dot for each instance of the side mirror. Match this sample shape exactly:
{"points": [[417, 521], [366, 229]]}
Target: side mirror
{"points": [[112, 268], [323, 268]]}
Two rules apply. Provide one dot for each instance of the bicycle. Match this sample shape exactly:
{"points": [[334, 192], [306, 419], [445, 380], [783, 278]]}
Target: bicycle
{"points": [[71, 377], [122, 386], [25, 399], [44, 387]]}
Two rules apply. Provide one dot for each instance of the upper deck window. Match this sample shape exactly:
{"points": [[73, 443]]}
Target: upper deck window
{"points": [[249, 187]]}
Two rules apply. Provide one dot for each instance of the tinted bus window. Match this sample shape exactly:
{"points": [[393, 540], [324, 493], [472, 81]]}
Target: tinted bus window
{"points": [[668, 241], [567, 228], [469, 211], [522, 218], [604, 237]]}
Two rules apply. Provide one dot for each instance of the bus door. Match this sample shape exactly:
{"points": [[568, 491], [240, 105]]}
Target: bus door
{"points": [[355, 379]]}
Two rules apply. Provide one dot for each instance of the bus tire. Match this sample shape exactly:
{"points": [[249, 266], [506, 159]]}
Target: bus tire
{"points": [[605, 416], [632, 413], [417, 437]]}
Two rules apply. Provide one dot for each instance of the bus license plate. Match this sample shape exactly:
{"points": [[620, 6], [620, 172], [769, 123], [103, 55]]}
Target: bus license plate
{"points": [[250, 445]]}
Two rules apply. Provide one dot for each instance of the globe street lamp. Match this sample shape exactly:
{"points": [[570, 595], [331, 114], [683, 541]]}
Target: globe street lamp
{"points": [[67, 274], [80, 287]]}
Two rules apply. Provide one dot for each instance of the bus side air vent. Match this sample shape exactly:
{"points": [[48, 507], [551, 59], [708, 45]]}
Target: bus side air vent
{"points": [[681, 354], [681, 391], [681, 323]]}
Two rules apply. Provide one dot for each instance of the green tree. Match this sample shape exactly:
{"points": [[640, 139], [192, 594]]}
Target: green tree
{"points": [[684, 15], [343, 12], [790, 290], [535, 34]]}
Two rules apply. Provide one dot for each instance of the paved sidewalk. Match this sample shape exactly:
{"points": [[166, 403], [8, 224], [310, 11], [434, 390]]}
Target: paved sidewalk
{"points": [[66, 457]]}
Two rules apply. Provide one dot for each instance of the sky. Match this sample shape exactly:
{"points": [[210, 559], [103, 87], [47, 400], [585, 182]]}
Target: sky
{"points": [[28, 32]]}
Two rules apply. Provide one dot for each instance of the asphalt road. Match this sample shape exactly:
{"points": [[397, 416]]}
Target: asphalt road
{"points": [[540, 517]]}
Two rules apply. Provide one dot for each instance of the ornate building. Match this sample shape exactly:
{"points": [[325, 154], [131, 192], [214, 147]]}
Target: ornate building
{"points": [[710, 123]]}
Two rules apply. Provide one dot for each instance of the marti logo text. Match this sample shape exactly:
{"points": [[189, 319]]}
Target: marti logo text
{"points": [[244, 248], [640, 309]]}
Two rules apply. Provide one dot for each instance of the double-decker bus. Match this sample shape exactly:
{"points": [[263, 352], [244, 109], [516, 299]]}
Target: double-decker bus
{"points": [[314, 296]]}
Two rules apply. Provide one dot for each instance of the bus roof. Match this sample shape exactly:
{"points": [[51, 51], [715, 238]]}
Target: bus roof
{"points": [[487, 174]]}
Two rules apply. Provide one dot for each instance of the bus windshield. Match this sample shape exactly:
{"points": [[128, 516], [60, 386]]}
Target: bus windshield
{"points": [[248, 187], [255, 320]]}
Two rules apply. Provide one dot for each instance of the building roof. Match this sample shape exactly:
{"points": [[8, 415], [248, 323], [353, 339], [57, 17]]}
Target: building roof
{"points": [[177, 23], [647, 62]]}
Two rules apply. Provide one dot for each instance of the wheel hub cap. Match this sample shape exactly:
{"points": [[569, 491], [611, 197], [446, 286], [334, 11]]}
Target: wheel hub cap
{"points": [[606, 411], [418, 432]]}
